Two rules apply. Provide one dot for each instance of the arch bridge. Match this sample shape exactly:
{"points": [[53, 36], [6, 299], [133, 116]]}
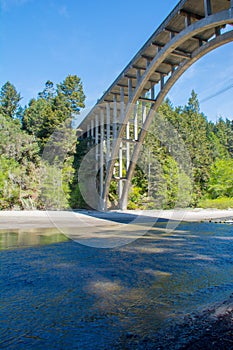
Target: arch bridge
{"points": [[114, 128]]}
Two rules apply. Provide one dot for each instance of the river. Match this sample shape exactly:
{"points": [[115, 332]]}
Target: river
{"points": [[59, 294]]}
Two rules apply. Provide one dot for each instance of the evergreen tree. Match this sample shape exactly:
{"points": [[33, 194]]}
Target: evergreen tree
{"points": [[229, 131], [9, 100], [194, 131], [52, 108], [223, 129], [70, 94], [221, 179], [41, 120], [49, 92]]}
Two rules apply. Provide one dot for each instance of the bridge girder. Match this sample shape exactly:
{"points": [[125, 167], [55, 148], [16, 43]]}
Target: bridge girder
{"points": [[114, 111]]}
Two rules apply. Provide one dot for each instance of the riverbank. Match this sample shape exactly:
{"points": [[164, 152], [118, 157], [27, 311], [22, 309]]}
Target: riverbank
{"points": [[210, 329], [82, 218]]}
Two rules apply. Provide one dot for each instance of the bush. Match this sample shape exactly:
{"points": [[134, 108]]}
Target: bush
{"points": [[218, 203]]}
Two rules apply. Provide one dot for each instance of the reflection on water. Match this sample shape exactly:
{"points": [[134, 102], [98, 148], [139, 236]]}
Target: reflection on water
{"points": [[71, 296], [29, 238]]}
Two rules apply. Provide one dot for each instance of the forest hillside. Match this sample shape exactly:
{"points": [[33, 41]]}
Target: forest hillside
{"points": [[184, 153]]}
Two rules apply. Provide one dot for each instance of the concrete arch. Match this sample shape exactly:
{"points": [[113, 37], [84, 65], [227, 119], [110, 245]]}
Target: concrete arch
{"points": [[215, 43], [212, 21]]}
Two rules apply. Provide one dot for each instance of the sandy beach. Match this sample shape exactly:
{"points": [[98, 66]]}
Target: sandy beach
{"points": [[108, 229], [84, 218]]}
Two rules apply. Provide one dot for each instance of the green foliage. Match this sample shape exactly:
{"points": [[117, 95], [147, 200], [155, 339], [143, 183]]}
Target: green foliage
{"points": [[194, 133], [38, 148], [20, 166], [17, 144], [18, 186], [9, 100], [167, 186], [57, 171], [218, 203], [135, 199], [184, 157], [40, 120], [217, 149], [166, 179], [49, 92], [55, 185], [224, 131], [70, 94], [221, 179], [177, 186], [76, 198], [53, 107], [9, 186], [181, 148]]}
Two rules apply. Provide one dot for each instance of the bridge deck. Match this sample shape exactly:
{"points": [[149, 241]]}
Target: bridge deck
{"points": [[186, 12]]}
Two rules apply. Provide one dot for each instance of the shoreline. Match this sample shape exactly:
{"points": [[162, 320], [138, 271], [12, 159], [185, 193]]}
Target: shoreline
{"points": [[210, 328], [85, 218]]}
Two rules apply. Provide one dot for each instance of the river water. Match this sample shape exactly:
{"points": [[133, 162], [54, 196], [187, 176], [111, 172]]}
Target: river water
{"points": [[58, 294]]}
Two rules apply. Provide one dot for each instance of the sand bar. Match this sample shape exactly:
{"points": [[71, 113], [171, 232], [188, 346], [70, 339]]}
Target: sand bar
{"points": [[85, 218]]}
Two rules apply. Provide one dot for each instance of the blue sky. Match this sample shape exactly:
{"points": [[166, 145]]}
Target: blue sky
{"points": [[44, 40]]}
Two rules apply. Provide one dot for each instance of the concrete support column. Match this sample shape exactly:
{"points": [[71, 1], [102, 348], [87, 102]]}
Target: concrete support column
{"points": [[161, 81], [130, 89], [127, 146], [143, 111], [92, 130], [108, 151], [120, 184], [152, 92], [172, 34], [101, 152], [138, 75], [135, 122], [122, 104], [88, 134], [88, 131], [114, 117], [97, 141], [208, 7], [188, 21]]}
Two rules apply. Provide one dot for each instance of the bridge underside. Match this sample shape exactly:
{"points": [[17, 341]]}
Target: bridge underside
{"points": [[117, 125]]}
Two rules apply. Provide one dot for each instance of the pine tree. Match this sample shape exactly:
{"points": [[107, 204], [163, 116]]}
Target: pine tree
{"points": [[49, 92], [70, 94], [52, 108], [9, 100]]}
